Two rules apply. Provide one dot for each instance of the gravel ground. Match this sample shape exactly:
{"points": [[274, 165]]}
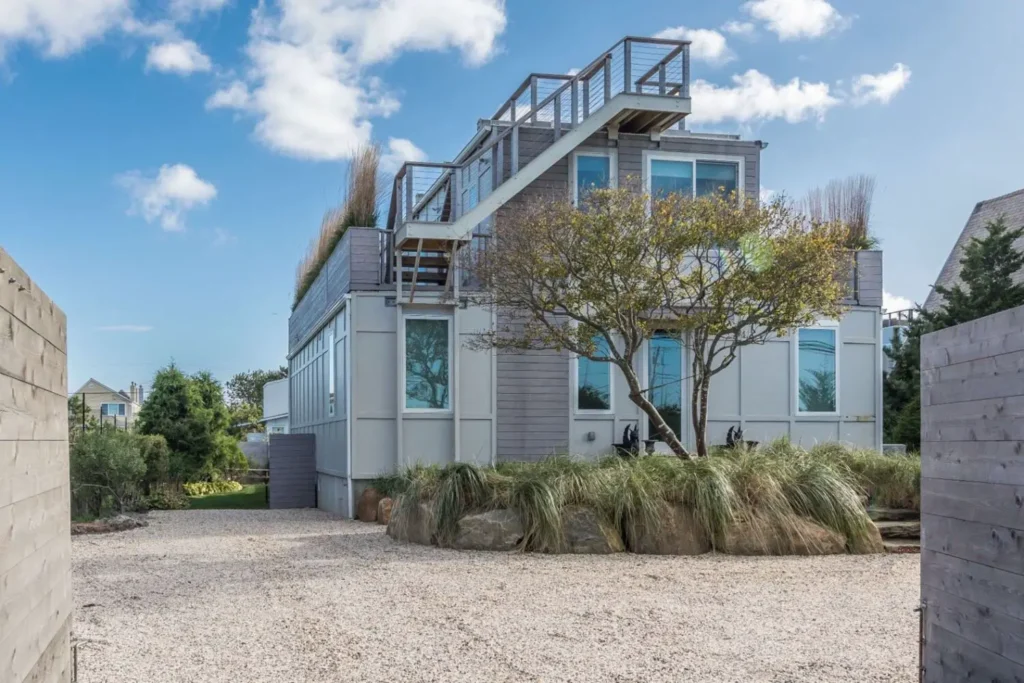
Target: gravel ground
{"points": [[300, 596]]}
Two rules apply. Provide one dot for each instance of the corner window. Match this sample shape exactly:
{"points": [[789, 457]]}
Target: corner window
{"points": [[427, 360], [112, 409], [716, 178], [331, 381], [594, 381], [594, 171], [665, 380], [671, 177], [816, 370]]}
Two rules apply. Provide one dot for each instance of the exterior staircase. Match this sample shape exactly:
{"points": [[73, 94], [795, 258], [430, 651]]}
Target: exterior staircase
{"points": [[900, 529]]}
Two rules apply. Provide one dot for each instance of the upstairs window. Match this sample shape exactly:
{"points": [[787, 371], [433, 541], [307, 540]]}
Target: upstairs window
{"points": [[594, 381], [428, 353], [716, 178], [817, 378], [691, 176], [671, 177], [112, 409]]}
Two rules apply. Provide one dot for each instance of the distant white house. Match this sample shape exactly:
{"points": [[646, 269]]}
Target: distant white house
{"points": [[275, 406]]}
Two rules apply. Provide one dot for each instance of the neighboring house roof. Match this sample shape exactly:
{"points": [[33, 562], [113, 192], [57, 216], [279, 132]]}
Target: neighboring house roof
{"points": [[1010, 206], [103, 386]]}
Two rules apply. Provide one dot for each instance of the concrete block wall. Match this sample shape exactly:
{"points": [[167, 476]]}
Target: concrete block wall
{"points": [[35, 541]]}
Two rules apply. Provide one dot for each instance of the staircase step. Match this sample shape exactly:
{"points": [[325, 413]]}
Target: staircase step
{"points": [[909, 530], [892, 515], [902, 547]]}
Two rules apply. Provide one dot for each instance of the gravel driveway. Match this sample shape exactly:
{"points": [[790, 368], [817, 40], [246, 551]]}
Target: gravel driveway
{"points": [[300, 596]]}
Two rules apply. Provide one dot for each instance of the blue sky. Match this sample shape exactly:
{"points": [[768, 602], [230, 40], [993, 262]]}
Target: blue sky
{"points": [[163, 165]]}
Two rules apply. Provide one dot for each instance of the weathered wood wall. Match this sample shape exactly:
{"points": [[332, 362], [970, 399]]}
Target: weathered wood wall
{"points": [[972, 500], [35, 541]]}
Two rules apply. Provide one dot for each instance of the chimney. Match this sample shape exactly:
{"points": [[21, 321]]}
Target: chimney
{"points": [[131, 393], [141, 397]]}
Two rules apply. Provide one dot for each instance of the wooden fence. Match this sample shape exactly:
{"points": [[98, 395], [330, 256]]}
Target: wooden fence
{"points": [[972, 500]]}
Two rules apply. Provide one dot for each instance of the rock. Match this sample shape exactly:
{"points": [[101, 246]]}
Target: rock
{"points": [[366, 508], [908, 530], [585, 534], [870, 545], [495, 530], [798, 536], [679, 534], [384, 510], [414, 527], [105, 526], [893, 515]]}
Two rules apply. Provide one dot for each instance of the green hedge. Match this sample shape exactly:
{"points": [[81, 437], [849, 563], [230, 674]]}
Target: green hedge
{"points": [[206, 488]]}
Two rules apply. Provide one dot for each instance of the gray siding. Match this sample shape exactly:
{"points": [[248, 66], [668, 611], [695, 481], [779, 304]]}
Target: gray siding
{"points": [[292, 471], [864, 285], [972, 551], [354, 264]]}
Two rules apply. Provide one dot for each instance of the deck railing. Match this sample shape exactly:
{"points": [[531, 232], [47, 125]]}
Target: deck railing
{"points": [[442, 192]]}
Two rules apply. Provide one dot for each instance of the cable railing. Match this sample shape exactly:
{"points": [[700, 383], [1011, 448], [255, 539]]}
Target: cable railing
{"points": [[443, 192]]}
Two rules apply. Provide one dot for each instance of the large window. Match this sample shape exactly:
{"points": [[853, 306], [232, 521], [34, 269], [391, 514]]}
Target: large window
{"points": [[112, 409], [427, 361], [333, 397], [691, 176], [594, 380], [817, 376], [665, 380], [594, 171]]}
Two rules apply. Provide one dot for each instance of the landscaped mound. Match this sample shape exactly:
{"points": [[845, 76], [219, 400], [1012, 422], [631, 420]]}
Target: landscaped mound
{"points": [[775, 500]]}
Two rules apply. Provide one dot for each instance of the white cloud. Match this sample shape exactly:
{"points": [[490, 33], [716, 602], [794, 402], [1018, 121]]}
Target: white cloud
{"points": [[166, 196], [881, 87], [125, 328], [707, 45], [308, 82], [573, 71], [399, 151], [234, 96], [179, 56], [744, 29], [755, 97], [185, 8], [892, 302], [222, 238], [58, 27], [795, 19]]}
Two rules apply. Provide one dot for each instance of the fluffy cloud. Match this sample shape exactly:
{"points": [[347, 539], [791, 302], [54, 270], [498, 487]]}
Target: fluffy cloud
{"points": [[707, 45], [882, 87], [744, 29], [178, 56], [892, 302], [58, 27], [166, 196], [795, 19], [308, 82], [753, 96], [399, 151], [185, 8]]}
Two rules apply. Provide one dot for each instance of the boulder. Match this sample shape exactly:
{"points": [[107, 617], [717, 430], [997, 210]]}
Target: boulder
{"points": [[678, 534], [495, 530], [797, 536], [366, 508], [870, 545], [106, 526], [384, 510], [416, 526], [584, 533]]}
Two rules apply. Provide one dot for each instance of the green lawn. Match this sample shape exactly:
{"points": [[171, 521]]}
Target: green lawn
{"points": [[251, 497]]}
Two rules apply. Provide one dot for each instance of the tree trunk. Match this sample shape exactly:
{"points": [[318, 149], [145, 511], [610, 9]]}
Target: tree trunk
{"points": [[636, 395], [700, 426]]}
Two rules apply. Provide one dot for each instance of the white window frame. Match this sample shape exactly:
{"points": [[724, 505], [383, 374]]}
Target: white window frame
{"points": [[118, 414], [451, 361], [650, 156], [610, 153], [795, 343], [575, 379]]}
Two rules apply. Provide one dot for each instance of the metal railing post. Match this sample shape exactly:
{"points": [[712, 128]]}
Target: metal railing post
{"points": [[558, 115], [512, 109], [575, 102], [607, 78], [686, 71], [661, 79], [533, 99], [455, 183], [408, 193], [499, 162], [514, 152], [627, 60], [586, 98], [495, 158]]}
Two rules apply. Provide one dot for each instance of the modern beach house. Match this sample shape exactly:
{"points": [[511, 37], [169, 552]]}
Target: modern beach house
{"points": [[381, 369]]}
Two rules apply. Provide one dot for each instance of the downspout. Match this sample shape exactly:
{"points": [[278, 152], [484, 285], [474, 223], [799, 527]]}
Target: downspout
{"points": [[349, 426]]}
